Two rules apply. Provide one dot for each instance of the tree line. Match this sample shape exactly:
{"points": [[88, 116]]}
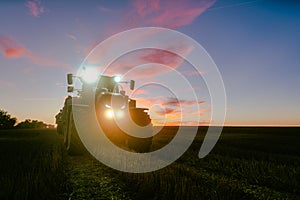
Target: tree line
{"points": [[9, 122]]}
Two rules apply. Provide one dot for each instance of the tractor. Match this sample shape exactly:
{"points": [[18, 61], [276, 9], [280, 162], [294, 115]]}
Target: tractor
{"points": [[112, 105]]}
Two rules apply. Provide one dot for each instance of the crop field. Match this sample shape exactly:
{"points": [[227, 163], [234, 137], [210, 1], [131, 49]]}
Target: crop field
{"points": [[246, 163]]}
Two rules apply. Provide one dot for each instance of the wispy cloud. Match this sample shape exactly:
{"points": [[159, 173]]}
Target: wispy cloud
{"points": [[166, 13], [171, 101], [13, 50], [105, 9], [180, 123], [139, 92], [149, 63], [163, 13], [165, 111], [172, 111], [35, 7], [164, 57], [166, 60], [72, 37]]}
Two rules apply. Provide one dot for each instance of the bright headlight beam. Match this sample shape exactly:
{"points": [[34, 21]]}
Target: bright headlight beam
{"points": [[90, 75], [109, 113], [117, 79]]}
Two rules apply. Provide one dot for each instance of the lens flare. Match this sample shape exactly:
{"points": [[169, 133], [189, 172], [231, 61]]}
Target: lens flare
{"points": [[117, 79], [120, 114], [90, 75]]}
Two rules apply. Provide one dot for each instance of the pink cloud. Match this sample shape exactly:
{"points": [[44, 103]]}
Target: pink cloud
{"points": [[166, 13], [163, 13], [173, 109], [204, 110], [170, 101], [11, 49], [148, 71], [14, 50], [35, 8], [134, 60], [162, 57], [144, 8], [165, 111], [139, 91]]}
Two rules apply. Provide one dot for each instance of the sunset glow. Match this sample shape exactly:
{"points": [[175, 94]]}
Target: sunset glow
{"points": [[255, 45]]}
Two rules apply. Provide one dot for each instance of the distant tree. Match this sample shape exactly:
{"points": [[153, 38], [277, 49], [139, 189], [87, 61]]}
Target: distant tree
{"points": [[6, 121], [28, 123]]}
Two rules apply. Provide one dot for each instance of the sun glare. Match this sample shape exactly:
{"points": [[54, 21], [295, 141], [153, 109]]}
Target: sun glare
{"points": [[90, 75]]}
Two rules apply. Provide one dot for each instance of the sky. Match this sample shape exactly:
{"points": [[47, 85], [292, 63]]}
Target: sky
{"points": [[254, 44]]}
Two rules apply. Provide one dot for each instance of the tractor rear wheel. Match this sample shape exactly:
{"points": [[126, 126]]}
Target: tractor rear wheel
{"points": [[59, 129], [73, 144], [140, 145]]}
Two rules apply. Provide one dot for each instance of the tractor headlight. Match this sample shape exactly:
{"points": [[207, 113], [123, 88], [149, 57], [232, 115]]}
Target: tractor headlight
{"points": [[117, 79], [107, 106], [109, 113], [112, 114]]}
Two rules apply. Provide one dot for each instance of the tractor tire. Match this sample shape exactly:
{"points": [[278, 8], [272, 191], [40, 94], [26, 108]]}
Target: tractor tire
{"points": [[65, 134], [59, 129], [140, 145], [74, 145]]}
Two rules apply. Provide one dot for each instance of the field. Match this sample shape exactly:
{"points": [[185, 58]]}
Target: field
{"points": [[246, 163]]}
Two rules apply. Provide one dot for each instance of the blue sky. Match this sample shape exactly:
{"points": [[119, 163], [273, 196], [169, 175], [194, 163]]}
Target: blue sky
{"points": [[255, 45]]}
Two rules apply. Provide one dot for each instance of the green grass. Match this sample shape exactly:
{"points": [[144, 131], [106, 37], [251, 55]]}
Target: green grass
{"points": [[246, 163]]}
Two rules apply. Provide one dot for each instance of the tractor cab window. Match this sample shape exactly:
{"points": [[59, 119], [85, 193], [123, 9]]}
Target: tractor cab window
{"points": [[109, 84]]}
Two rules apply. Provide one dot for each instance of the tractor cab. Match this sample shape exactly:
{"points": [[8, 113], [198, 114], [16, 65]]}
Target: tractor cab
{"points": [[109, 84], [103, 84]]}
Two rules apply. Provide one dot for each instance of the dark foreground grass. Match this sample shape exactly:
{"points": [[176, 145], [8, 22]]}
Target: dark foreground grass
{"points": [[31, 164], [246, 163]]}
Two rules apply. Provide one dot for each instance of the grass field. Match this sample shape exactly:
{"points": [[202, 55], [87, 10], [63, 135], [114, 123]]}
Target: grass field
{"points": [[246, 163], [31, 164]]}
